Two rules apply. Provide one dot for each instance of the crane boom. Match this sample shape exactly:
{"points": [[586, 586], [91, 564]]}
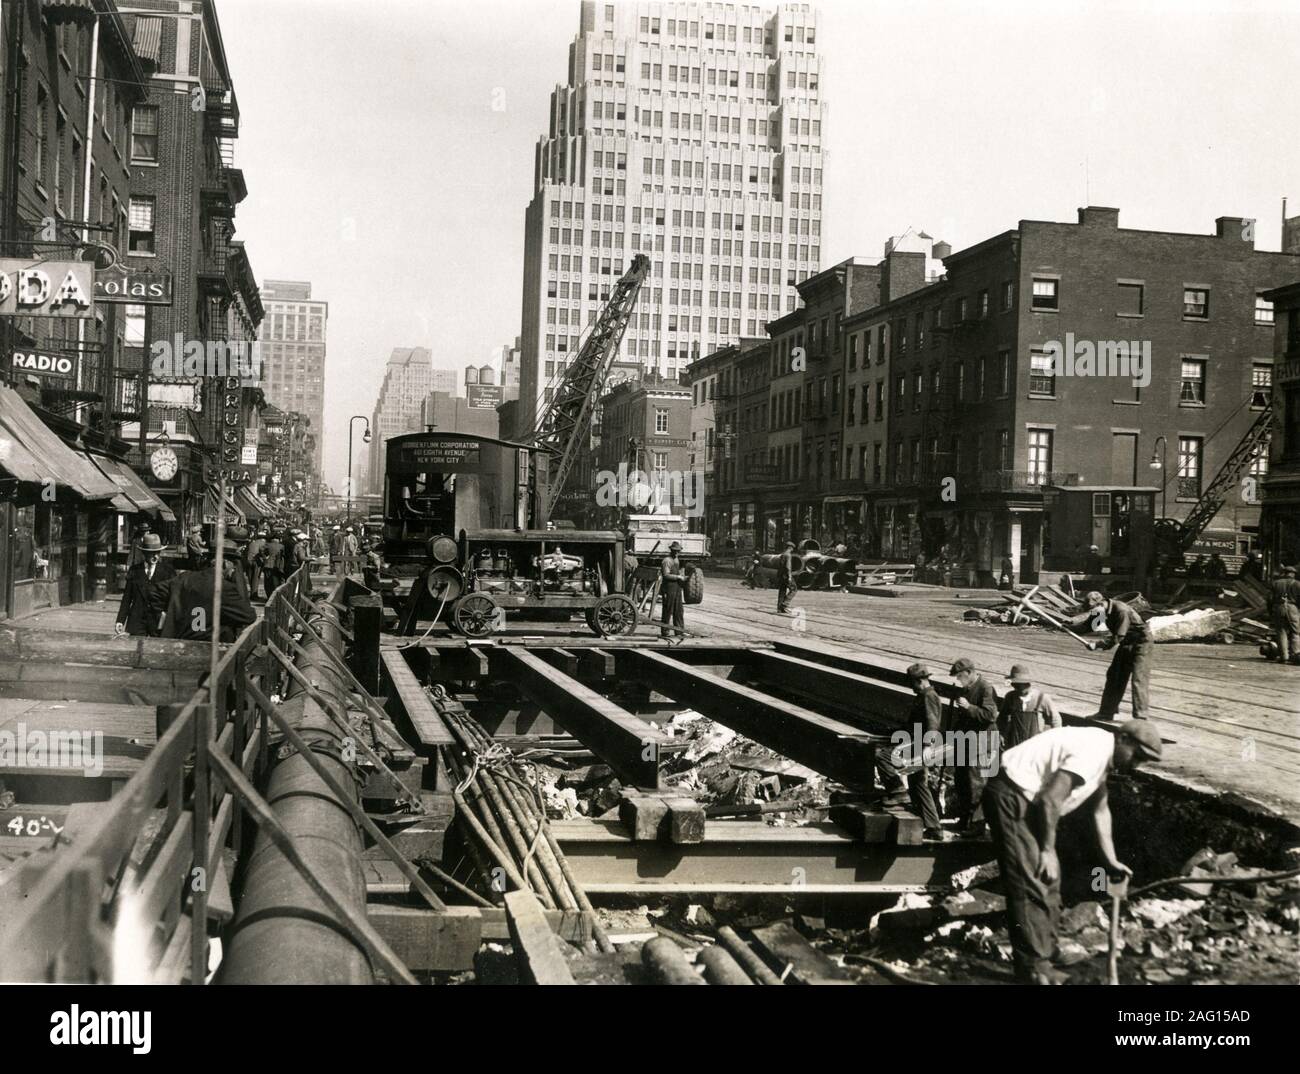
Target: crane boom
{"points": [[1212, 499], [566, 422]]}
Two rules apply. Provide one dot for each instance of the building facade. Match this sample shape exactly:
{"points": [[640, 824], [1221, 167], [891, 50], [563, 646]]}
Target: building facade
{"points": [[293, 341], [408, 380], [643, 454], [691, 133], [1280, 521]]}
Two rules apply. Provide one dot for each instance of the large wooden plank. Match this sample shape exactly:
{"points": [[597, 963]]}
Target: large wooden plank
{"points": [[626, 743], [427, 939], [829, 746], [537, 949], [406, 696]]}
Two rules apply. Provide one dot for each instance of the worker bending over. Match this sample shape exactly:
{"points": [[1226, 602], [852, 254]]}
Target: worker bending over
{"points": [[925, 719], [1131, 639], [1040, 781]]}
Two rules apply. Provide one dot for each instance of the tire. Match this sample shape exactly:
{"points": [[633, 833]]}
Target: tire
{"points": [[694, 587], [475, 615], [613, 616]]}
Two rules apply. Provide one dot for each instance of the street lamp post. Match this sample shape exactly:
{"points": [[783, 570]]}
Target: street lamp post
{"points": [[365, 439], [1159, 460]]}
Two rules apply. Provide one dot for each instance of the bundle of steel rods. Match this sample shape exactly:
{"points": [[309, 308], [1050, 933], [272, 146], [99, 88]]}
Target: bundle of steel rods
{"points": [[506, 820]]}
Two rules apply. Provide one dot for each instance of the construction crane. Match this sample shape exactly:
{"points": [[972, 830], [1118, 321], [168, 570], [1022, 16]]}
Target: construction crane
{"points": [[564, 426], [1178, 536]]}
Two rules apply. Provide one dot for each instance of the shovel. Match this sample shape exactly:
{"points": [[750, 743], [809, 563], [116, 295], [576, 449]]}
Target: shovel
{"points": [[1118, 888]]}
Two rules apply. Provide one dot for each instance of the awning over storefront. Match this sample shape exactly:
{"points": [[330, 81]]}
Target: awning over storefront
{"points": [[148, 38], [31, 451], [233, 513], [248, 503], [135, 490]]}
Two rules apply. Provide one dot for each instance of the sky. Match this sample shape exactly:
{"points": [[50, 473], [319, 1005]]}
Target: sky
{"points": [[388, 145]]}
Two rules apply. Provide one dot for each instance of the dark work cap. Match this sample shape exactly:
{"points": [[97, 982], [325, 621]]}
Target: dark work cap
{"points": [[917, 672], [963, 664], [1144, 736]]}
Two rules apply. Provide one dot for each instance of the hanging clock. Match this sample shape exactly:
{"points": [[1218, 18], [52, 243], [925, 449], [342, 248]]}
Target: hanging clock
{"points": [[164, 464]]}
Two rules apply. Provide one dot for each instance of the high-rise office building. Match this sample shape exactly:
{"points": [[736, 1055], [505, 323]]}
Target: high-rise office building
{"points": [[293, 353], [408, 380], [691, 133]]}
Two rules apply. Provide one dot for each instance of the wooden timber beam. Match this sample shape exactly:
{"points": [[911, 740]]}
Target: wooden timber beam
{"points": [[626, 743], [864, 701], [828, 746], [537, 948]]}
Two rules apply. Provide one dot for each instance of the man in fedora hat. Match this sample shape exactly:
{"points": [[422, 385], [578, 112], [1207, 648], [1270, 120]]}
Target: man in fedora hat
{"points": [[1040, 781], [672, 577], [1025, 711], [975, 717], [144, 600], [190, 608], [1284, 600]]}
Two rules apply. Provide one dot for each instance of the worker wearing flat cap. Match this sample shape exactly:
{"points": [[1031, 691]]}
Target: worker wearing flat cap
{"points": [[190, 608], [1130, 637], [1284, 601], [1026, 711], [1040, 781], [924, 763], [975, 709], [672, 580]]}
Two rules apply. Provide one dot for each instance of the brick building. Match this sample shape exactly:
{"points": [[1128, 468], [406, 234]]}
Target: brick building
{"points": [[1280, 518], [978, 426]]}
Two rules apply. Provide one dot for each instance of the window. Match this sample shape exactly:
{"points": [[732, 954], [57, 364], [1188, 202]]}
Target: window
{"points": [[1040, 456], [1196, 303], [661, 421], [1263, 310], [1189, 467], [42, 152], [1261, 385], [1046, 294], [660, 461], [1042, 378], [984, 304], [1004, 373], [1191, 391], [1008, 295], [141, 239], [134, 326], [144, 133], [1129, 300]]}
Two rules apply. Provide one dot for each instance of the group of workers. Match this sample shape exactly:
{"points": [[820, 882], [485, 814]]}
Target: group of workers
{"points": [[1028, 772]]}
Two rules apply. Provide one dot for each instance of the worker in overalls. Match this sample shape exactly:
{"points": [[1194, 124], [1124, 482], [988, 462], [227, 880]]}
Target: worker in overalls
{"points": [[1026, 711], [672, 579]]}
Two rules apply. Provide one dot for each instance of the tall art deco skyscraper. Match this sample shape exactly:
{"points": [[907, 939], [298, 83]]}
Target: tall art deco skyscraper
{"points": [[691, 133]]}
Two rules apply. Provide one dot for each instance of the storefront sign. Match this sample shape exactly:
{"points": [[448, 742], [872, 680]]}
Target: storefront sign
{"points": [[483, 396], [46, 288], [442, 455], [45, 365], [765, 472], [233, 463], [138, 288]]}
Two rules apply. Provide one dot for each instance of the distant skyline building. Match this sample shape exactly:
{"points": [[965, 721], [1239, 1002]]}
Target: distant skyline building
{"points": [[691, 133], [293, 353], [408, 380]]}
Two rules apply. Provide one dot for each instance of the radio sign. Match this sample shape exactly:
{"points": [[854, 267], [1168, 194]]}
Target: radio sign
{"points": [[442, 455], [46, 288], [137, 288], [45, 365]]}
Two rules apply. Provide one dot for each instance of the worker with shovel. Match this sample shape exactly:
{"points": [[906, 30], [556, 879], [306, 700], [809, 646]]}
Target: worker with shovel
{"points": [[1043, 779], [1131, 639]]}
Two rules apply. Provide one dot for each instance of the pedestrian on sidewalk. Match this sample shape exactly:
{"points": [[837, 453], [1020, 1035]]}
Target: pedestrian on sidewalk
{"points": [[196, 548], [336, 551], [273, 562], [1040, 781], [192, 602], [148, 584], [253, 562], [975, 717], [785, 583], [1026, 711], [1284, 601], [1130, 637], [672, 578]]}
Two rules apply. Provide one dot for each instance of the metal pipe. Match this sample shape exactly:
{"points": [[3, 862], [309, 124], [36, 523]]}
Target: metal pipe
{"points": [[750, 962], [283, 933], [667, 964], [720, 968]]}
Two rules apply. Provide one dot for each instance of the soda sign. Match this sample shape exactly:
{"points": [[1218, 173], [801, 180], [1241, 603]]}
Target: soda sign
{"points": [[46, 288], [45, 365]]}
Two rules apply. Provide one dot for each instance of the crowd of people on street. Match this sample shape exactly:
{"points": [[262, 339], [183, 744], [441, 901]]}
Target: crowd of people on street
{"points": [[174, 598]]}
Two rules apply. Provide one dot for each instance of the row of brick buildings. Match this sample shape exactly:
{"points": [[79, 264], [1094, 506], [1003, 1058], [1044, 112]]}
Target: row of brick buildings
{"points": [[118, 136], [913, 406]]}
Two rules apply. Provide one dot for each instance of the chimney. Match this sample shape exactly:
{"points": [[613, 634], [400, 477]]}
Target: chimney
{"points": [[1235, 229], [1098, 216]]}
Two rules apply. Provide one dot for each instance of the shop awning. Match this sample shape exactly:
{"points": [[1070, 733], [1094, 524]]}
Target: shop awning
{"points": [[135, 490], [248, 503], [31, 451], [210, 511], [148, 38]]}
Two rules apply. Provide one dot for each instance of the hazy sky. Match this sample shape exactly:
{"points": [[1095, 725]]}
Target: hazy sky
{"points": [[378, 168]]}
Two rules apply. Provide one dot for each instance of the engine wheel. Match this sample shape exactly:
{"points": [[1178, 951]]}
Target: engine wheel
{"points": [[694, 587], [613, 615], [475, 615]]}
